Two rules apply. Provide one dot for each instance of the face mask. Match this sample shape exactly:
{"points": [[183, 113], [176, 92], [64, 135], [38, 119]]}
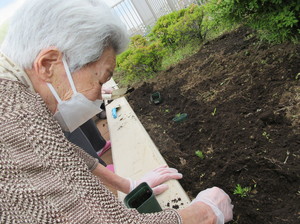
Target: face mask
{"points": [[74, 112]]}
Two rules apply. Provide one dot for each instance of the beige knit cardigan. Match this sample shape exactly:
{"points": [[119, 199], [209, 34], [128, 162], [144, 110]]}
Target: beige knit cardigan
{"points": [[46, 179]]}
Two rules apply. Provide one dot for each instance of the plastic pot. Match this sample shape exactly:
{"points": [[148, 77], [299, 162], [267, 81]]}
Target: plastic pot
{"points": [[142, 199], [180, 117], [156, 98]]}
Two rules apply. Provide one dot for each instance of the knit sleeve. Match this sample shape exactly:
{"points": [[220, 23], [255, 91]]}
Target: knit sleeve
{"points": [[43, 180], [90, 161]]}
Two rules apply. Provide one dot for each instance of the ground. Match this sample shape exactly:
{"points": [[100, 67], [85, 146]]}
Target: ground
{"points": [[242, 98]]}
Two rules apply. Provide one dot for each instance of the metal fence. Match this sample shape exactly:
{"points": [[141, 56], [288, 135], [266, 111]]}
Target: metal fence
{"points": [[140, 15]]}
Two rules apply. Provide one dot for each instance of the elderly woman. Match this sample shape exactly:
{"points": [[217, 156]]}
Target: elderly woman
{"points": [[54, 61]]}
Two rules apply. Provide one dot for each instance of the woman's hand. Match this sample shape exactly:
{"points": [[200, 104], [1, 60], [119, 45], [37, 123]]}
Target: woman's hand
{"points": [[219, 202], [156, 178], [106, 90]]}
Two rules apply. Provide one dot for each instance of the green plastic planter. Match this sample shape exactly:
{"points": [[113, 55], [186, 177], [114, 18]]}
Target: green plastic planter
{"points": [[156, 98], [180, 118], [142, 199]]}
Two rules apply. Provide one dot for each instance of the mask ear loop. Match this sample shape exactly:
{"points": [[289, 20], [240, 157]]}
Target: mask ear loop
{"points": [[69, 75], [54, 93]]}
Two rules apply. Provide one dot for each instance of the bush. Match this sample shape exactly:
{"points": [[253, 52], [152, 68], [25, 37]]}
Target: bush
{"points": [[275, 20], [145, 54], [141, 60], [180, 27]]}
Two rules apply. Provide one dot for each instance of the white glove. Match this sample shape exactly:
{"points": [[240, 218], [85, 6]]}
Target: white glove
{"points": [[219, 201], [156, 177], [106, 90]]}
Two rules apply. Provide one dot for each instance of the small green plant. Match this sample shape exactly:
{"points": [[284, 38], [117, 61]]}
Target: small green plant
{"points": [[167, 110], [199, 154], [241, 191], [178, 115], [214, 112], [297, 76], [247, 53], [267, 136], [263, 62]]}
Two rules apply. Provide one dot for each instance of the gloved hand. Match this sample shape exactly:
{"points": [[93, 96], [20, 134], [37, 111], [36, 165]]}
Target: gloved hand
{"points": [[106, 90], [219, 201], [156, 177]]}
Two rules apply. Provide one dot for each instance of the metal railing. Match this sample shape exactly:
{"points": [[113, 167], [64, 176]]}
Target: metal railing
{"points": [[126, 11], [140, 15]]}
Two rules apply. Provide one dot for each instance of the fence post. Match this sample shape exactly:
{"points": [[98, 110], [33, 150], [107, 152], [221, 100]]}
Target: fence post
{"points": [[151, 10], [142, 18], [172, 5]]}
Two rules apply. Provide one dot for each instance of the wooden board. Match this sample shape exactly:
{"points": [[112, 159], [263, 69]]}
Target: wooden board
{"points": [[135, 154]]}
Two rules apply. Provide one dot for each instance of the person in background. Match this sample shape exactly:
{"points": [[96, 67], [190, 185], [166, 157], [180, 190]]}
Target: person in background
{"points": [[89, 138], [55, 58]]}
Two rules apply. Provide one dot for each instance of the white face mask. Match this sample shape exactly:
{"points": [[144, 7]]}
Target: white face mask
{"points": [[75, 111]]}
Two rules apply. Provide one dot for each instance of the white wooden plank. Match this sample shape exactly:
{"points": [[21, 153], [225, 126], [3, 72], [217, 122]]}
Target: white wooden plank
{"points": [[135, 154]]}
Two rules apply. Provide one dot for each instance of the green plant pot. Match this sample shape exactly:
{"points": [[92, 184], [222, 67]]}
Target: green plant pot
{"points": [[142, 199], [180, 118], [156, 98]]}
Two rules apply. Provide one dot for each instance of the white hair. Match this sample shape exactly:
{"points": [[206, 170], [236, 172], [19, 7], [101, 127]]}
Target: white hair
{"points": [[80, 29]]}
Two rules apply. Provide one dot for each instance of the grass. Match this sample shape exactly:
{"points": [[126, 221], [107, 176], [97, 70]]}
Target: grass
{"points": [[174, 57]]}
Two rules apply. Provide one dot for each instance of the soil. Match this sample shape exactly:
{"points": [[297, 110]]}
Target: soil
{"points": [[242, 98]]}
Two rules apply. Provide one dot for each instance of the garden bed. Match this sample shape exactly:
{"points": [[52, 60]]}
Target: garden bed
{"points": [[242, 100]]}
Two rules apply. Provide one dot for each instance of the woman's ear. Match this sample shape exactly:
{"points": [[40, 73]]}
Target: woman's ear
{"points": [[47, 63]]}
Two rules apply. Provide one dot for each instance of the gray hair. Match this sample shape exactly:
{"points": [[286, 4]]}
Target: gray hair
{"points": [[81, 29]]}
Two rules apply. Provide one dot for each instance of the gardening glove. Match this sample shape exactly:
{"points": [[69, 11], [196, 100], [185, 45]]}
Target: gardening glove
{"points": [[219, 202], [107, 90], [156, 178]]}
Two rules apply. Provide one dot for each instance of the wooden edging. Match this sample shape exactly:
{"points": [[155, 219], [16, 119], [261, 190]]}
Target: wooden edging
{"points": [[134, 153]]}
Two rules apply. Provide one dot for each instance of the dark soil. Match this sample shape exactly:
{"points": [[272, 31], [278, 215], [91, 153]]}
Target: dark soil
{"points": [[242, 98]]}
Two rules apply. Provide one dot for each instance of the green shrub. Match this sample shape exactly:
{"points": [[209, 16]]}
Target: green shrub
{"points": [[145, 55], [141, 60], [137, 41], [275, 20], [179, 28]]}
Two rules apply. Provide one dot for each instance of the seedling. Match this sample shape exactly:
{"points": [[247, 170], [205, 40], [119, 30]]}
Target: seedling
{"points": [[297, 76], [167, 110], [267, 136], [247, 53], [214, 112], [199, 154], [241, 191], [263, 62]]}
